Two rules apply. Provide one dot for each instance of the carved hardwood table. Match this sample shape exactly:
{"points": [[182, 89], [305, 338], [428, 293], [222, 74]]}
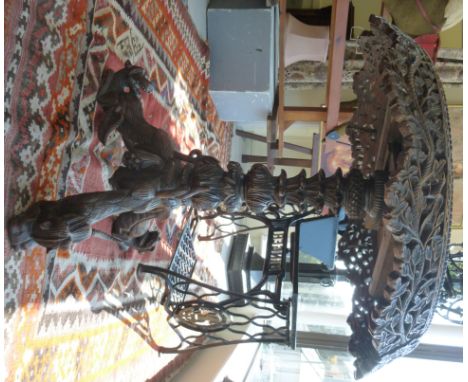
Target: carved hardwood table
{"points": [[397, 194]]}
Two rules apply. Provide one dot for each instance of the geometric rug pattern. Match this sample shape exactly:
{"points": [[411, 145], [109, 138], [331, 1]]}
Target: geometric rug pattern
{"points": [[60, 306]]}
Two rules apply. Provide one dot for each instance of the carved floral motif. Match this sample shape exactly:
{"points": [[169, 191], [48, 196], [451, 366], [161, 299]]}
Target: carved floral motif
{"points": [[398, 90]]}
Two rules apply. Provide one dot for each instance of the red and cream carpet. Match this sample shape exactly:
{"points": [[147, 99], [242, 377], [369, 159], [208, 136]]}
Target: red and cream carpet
{"points": [[58, 325]]}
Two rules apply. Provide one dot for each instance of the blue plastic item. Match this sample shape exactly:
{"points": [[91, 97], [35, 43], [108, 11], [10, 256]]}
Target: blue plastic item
{"points": [[317, 238]]}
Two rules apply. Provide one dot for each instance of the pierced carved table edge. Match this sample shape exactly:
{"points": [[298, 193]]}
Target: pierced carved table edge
{"points": [[397, 195], [401, 126]]}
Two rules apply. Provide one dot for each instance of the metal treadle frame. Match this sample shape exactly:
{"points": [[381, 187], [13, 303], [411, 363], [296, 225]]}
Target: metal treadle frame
{"points": [[203, 315], [182, 263]]}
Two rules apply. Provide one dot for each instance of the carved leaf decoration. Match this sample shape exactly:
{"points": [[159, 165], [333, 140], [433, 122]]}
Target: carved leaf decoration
{"points": [[426, 290], [437, 244], [439, 168], [423, 317], [427, 225], [407, 238], [402, 289], [395, 226], [406, 270], [399, 193], [418, 304], [440, 220], [428, 253], [380, 322], [417, 251], [409, 319], [417, 257]]}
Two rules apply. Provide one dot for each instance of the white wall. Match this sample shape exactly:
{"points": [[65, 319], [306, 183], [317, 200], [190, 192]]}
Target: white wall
{"points": [[197, 10], [214, 364]]}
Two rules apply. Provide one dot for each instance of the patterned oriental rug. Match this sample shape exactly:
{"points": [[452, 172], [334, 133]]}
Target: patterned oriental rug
{"points": [[82, 314]]}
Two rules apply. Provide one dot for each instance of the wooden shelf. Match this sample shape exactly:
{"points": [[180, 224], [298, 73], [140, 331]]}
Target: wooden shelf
{"points": [[331, 115]]}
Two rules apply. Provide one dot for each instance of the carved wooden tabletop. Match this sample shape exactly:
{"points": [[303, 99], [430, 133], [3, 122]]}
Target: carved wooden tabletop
{"points": [[401, 126]]}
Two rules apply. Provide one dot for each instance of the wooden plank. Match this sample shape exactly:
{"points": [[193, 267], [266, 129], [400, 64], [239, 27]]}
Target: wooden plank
{"points": [[273, 145], [384, 12], [274, 111], [315, 167], [252, 136], [272, 152], [303, 163], [384, 263], [382, 155], [322, 143], [253, 158], [282, 22], [335, 61], [272, 134], [299, 149], [313, 114], [287, 124]]}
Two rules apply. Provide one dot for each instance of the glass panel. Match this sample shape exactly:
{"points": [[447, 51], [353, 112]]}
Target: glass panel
{"points": [[317, 241], [276, 363], [324, 309]]}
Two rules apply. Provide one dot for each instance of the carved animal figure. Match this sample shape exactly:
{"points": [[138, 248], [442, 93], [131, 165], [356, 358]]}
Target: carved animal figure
{"points": [[119, 97]]}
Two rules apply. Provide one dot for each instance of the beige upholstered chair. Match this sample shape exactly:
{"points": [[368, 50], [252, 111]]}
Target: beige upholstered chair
{"points": [[305, 42]]}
